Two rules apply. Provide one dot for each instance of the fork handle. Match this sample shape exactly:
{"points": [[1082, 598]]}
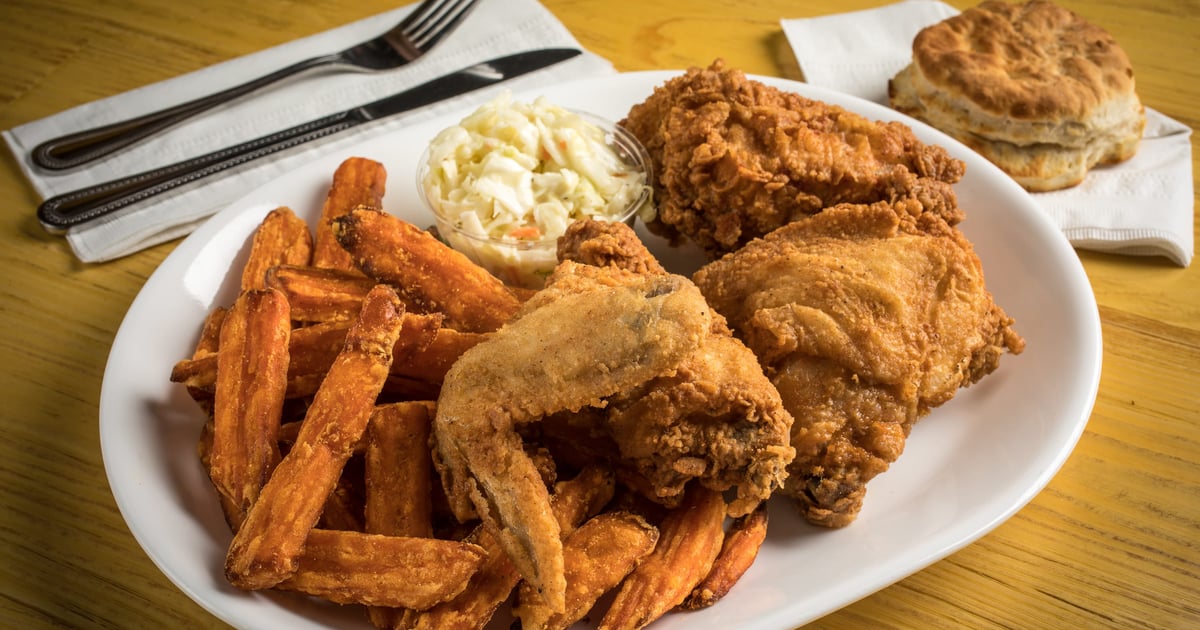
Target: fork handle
{"points": [[58, 213], [81, 147]]}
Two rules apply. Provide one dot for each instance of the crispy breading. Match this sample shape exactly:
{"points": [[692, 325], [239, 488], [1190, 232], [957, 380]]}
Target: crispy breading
{"points": [[866, 317], [716, 418], [604, 244], [566, 351], [735, 158]]}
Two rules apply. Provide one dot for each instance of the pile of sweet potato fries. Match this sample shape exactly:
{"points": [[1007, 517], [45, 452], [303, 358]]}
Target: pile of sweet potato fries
{"points": [[320, 384]]}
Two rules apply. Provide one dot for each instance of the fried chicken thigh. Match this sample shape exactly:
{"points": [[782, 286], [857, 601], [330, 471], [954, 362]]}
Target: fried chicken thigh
{"points": [[865, 317], [735, 159]]}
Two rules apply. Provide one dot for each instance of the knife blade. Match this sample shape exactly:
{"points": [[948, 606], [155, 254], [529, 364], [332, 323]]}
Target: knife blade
{"points": [[61, 212]]}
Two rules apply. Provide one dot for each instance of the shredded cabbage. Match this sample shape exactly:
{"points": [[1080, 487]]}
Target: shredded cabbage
{"points": [[522, 172]]}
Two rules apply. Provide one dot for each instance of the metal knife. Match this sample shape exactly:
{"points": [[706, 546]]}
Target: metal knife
{"points": [[58, 213]]}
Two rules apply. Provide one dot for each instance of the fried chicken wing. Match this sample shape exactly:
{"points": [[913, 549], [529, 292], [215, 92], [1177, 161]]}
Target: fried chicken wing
{"points": [[865, 317], [642, 361], [564, 352], [735, 159]]}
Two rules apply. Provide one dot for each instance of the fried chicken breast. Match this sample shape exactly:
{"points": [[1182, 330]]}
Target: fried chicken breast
{"points": [[735, 159], [865, 317]]}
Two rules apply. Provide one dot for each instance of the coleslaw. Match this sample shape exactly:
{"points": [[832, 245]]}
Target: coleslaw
{"points": [[509, 178]]}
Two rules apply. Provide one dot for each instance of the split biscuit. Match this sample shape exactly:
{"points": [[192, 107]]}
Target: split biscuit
{"points": [[1033, 87]]}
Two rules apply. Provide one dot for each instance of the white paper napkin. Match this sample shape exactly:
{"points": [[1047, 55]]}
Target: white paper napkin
{"points": [[1143, 206], [495, 27]]}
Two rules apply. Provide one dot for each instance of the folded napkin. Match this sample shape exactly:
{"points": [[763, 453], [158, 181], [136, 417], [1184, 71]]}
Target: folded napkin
{"points": [[1143, 206], [494, 28]]}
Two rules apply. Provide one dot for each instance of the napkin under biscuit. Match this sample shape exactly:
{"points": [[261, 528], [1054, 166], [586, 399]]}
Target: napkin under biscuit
{"points": [[1143, 206]]}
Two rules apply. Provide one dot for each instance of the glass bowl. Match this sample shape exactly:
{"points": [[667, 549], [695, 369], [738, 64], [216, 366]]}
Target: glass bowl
{"points": [[527, 262]]}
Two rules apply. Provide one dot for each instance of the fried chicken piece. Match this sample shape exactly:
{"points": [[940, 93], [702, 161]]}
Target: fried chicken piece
{"points": [[569, 348], [676, 395], [604, 244], [865, 317], [735, 159], [716, 418]]}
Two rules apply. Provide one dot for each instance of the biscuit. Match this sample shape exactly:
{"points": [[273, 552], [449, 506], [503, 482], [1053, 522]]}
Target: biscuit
{"points": [[1034, 88]]}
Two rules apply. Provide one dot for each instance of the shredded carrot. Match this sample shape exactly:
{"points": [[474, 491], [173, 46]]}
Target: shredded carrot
{"points": [[529, 231]]}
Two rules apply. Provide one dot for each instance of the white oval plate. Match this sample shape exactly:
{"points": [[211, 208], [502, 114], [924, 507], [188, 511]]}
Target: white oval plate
{"points": [[968, 466]]}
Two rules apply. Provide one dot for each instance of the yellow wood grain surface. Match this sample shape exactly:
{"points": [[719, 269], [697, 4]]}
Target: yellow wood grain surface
{"points": [[1113, 541]]}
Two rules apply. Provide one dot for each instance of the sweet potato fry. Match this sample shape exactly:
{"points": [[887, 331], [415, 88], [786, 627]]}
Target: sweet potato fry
{"points": [[210, 332], [311, 351], [738, 552], [229, 508], [198, 374], [421, 332], [423, 351], [206, 346], [320, 295], [433, 276], [431, 362], [596, 557], [690, 537], [399, 470], [396, 571], [248, 400], [582, 497], [343, 508], [290, 431], [281, 239], [399, 480], [267, 547], [574, 501], [487, 589], [357, 182]]}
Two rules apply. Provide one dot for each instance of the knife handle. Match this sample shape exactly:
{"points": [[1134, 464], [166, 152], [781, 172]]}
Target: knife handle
{"points": [[58, 213], [81, 147]]}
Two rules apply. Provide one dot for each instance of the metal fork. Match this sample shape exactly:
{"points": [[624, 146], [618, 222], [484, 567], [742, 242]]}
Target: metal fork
{"points": [[420, 30]]}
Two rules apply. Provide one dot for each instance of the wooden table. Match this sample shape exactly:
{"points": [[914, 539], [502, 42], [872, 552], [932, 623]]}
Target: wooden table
{"points": [[1114, 540]]}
